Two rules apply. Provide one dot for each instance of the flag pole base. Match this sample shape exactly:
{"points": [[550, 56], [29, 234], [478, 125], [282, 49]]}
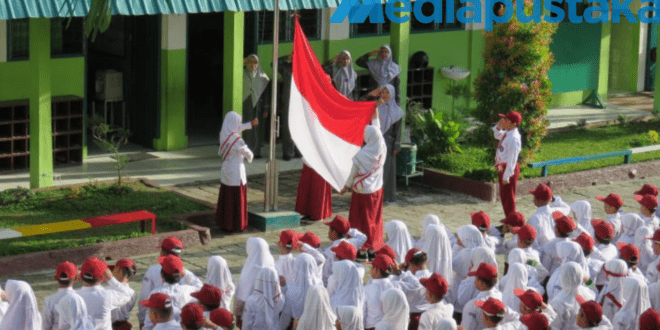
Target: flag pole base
{"points": [[265, 221]]}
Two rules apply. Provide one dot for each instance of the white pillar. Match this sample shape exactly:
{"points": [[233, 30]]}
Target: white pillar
{"points": [[174, 32]]}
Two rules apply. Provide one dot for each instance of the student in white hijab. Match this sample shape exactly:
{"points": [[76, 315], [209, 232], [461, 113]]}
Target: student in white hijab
{"points": [[344, 77], [432, 219], [383, 70], [466, 289], [219, 275], [566, 251], [255, 82], [305, 277], [469, 238], [349, 318], [582, 211], [636, 302], [564, 303], [630, 222], [349, 291], [516, 278], [72, 313], [535, 273], [398, 238], [646, 254], [23, 312], [317, 314], [263, 307], [446, 324], [395, 310], [258, 257], [611, 296], [438, 251]]}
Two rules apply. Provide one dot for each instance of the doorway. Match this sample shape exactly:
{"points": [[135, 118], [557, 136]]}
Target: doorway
{"points": [[651, 53]]}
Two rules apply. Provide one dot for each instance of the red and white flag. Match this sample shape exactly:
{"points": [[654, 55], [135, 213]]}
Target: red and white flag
{"points": [[327, 127]]}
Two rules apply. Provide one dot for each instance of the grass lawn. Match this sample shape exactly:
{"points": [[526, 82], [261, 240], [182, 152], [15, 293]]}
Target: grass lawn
{"points": [[572, 143], [71, 204]]}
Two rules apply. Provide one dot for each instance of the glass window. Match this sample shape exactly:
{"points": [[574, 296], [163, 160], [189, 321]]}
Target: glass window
{"points": [[66, 40], [370, 29], [428, 10], [19, 39], [310, 21]]}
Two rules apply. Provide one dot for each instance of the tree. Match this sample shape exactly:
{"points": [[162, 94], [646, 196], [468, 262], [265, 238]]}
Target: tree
{"points": [[515, 77], [111, 139]]}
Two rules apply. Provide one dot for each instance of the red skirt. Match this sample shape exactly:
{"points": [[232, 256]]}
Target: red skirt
{"points": [[232, 213], [314, 195], [366, 215], [121, 325]]}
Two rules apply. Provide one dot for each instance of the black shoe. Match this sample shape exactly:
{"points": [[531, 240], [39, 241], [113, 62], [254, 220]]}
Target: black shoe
{"points": [[371, 254], [297, 155], [286, 158], [361, 256]]}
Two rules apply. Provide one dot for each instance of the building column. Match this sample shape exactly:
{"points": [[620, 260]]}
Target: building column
{"points": [[41, 137], [399, 40], [604, 65], [233, 62], [173, 84]]}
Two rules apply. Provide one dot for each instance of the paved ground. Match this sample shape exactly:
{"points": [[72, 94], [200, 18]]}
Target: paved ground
{"points": [[413, 204]]}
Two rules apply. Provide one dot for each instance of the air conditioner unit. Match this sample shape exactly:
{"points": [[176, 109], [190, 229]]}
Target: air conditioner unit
{"points": [[109, 85]]}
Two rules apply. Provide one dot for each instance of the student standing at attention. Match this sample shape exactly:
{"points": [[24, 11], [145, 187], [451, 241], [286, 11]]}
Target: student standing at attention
{"points": [[506, 158]]}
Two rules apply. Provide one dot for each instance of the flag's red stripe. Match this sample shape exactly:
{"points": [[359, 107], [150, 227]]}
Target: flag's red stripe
{"points": [[342, 117]]}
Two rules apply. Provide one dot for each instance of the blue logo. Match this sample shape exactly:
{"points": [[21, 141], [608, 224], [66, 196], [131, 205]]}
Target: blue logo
{"points": [[470, 12]]}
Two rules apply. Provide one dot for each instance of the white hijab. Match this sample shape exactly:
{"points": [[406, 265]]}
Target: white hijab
{"points": [[23, 312], [646, 255], [230, 134], [517, 255], [438, 251], [582, 210], [446, 324], [396, 312], [481, 255], [318, 314], [630, 222], [305, 271], [72, 313], [349, 289], [636, 297], [254, 82], [471, 238], [350, 318], [614, 284], [389, 112], [572, 277], [267, 288], [371, 157], [383, 70], [344, 76], [516, 279], [430, 219], [258, 257], [572, 251], [398, 238], [219, 275]]}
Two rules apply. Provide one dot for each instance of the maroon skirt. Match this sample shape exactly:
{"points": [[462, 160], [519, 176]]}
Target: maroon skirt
{"points": [[314, 195], [232, 213], [121, 325], [366, 215]]}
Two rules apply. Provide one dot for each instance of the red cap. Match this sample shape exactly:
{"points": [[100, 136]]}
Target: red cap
{"points": [[648, 201], [525, 233], [388, 251], [66, 271], [563, 223], [172, 244], [93, 268], [289, 238], [480, 219], [192, 313], [586, 242], [592, 310], [345, 250], [513, 116], [222, 317], [126, 263], [542, 192], [602, 229], [656, 236], [157, 300], [535, 321], [649, 320], [647, 189], [171, 264], [492, 306], [209, 295], [412, 253], [382, 262], [485, 271], [611, 199], [436, 284], [530, 298], [311, 239], [514, 219], [339, 224], [628, 252]]}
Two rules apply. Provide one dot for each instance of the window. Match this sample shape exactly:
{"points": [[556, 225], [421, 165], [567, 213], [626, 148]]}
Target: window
{"points": [[579, 8], [310, 21], [428, 9], [66, 41], [19, 39], [369, 29]]}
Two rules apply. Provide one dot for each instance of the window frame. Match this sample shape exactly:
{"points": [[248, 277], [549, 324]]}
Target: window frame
{"points": [[10, 58], [379, 27], [289, 25], [438, 27], [82, 38]]}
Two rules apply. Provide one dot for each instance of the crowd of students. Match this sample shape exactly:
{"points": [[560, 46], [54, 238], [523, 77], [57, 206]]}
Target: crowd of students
{"points": [[564, 269]]}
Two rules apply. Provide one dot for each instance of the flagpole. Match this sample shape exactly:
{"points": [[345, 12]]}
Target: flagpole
{"points": [[270, 197]]}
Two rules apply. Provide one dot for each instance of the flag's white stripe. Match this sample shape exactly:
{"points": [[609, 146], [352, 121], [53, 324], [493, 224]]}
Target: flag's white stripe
{"points": [[8, 233], [329, 155]]}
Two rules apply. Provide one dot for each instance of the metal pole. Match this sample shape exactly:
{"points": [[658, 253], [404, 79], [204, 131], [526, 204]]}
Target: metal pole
{"points": [[270, 203]]}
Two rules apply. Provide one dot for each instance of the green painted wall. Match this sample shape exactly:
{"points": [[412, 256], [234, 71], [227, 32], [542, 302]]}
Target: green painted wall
{"points": [[624, 47], [173, 101], [233, 62], [67, 78], [576, 48]]}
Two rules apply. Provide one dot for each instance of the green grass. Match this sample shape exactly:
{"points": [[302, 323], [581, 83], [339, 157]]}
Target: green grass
{"points": [[572, 143], [71, 204]]}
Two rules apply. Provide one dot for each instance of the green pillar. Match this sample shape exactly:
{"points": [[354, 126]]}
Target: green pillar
{"points": [[41, 138], [656, 83], [399, 40], [233, 62], [604, 66]]}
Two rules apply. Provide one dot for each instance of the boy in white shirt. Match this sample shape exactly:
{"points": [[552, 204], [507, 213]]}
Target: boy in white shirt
{"points": [[436, 289], [648, 206], [486, 283], [412, 271], [630, 254], [381, 269], [612, 204], [344, 251], [481, 220], [340, 230], [513, 220], [591, 315], [649, 189], [123, 271], [192, 317], [209, 297], [493, 313], [65, 275], [587, 244], [564, 226], [542, 219], [284, 265], [652, 272], [604, 233], [223, 319], [532, 302], [160, 312], [535, 321]]}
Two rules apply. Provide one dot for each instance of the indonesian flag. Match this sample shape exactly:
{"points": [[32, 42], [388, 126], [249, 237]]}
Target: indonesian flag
{"points": [[327, 127]]}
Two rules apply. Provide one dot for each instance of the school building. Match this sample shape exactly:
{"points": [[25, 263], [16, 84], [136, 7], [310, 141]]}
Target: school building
{"points": [[169, 69]]}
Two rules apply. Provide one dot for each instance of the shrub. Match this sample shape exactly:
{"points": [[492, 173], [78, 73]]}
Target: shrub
{"points": [[515, 77], [582, 124], [433, 133], [652, 136], [16, 195], [622, 119]]}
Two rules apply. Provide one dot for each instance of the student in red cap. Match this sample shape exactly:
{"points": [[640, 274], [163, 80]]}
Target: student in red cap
{"points": [[604, 233], [535, 321], [192, 317], [587, 244], [564, 226], [436, 289], [542, 220], [492, 315], [648, 205], [652, 272], [65, 275], [309, 244], [339, 230], [630, 254], [506, 158], [344, 251], [123, 271], [591, 315], [287, 243], [222, 318], [209, 297], [100, 301], [531, 302], [649, 189], [649, 320], [161, 312], [388, 251], [152, 278], [481, 220], [612, 204], [485, 282], [412, 271], [526, 242], [381, 269]]}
